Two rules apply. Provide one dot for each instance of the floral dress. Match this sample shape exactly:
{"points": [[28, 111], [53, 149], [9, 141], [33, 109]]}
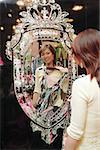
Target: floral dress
{"points": [[53, 91]]}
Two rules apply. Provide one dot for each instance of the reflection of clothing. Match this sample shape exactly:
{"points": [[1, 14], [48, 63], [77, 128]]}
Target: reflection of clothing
{"points": [[37, 62], [51, 86], [85, 120]]}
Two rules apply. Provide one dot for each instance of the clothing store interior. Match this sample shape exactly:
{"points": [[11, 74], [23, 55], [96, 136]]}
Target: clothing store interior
{"points": [[16, 132]]}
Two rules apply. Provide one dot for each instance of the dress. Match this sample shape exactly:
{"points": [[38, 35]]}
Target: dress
{"points": [[53, 90], [85, 120], [50, 87]]}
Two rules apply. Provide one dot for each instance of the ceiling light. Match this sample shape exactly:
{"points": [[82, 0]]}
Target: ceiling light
{"points": [[70, 20], [9, 15], [13, 27], [77, 7], [18, 20], [1, 28], [8, 36], [1, 0], [20, 3]]}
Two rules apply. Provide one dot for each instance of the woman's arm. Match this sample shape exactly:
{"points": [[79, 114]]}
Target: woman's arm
{"points": [[35, 99], [79, 105], [70, 143], [37, 89]]}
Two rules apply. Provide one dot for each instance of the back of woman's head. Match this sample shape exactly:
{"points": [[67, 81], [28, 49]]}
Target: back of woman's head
{"points": [[87, 48]]}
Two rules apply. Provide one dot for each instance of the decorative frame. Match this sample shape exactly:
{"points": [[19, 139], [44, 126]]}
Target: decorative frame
{"points": [[42, 20]]}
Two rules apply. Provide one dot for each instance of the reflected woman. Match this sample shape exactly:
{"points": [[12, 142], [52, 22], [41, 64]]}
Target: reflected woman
{"points": [[51, 82]]}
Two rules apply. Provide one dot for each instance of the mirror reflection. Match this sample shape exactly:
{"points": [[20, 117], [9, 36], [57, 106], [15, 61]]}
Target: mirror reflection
{"points": [[42, 86], [43, 67], [51, 82]]}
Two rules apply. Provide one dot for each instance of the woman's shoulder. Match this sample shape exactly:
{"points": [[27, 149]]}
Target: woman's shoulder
{"points": [[62, 69], [85, 81], [82, 79], [40, 70], [87, 87], [82, 87]]}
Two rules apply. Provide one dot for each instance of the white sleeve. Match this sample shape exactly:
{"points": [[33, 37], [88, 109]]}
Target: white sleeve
{"points": [[37, 88], [79, 104]]}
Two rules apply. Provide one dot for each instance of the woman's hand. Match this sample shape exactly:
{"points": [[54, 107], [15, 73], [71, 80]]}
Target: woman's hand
{"points": [[35, 99], [33, 109], [64, 140], [31, 106], [69, 143]]}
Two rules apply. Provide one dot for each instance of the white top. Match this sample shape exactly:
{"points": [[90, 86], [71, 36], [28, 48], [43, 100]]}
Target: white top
{"points": [[85, 118], [51, 80]]}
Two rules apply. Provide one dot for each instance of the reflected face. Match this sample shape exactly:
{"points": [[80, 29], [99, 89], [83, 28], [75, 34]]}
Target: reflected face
{"points": [[47, 56]]}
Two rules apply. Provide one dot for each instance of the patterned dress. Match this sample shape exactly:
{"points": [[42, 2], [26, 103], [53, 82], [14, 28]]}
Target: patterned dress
{"points": [[51, 87], [53, 90]]}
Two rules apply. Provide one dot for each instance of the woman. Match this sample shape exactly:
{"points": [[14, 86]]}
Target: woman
{"points": [[51, 82], [83, 132]]}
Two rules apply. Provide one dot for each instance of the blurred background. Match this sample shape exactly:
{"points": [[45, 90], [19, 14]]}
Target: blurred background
{"points": [[16, 133]]}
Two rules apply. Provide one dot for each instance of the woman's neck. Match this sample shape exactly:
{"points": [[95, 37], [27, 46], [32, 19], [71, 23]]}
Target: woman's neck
{"points": [[50, 65]]}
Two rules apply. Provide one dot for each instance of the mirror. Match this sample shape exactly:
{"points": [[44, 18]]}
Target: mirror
{"points": [[43, 67]]}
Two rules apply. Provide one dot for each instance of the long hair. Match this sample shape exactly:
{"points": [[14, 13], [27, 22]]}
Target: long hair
{"points": [[50, 47], [86, 46]]}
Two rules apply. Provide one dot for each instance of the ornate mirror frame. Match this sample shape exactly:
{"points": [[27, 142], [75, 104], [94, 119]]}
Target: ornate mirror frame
{"points": [[43, 20]]}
